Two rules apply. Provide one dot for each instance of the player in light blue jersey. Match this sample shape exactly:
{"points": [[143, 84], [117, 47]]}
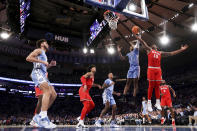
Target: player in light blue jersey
{"points": [[108, 101], [144, 111], [134, 69], [39, 76]]}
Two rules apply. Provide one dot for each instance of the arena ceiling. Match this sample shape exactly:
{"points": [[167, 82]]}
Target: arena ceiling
{"points": [[75, 18]]}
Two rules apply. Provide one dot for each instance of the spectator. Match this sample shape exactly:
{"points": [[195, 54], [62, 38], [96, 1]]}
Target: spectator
{"points": [[194, 117]]}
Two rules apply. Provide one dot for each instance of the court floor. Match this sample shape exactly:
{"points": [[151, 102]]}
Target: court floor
{"points": [[105, 128]]}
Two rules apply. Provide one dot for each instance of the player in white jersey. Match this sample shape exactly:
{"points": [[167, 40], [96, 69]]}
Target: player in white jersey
{"points": [[134, 69], [145, 111], [108, 101]]}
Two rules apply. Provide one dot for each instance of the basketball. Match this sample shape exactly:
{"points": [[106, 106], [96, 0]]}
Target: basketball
{"points": [[135, 29]]}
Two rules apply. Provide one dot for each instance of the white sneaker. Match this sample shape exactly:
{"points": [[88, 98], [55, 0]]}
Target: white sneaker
{"points": [[81, 125], [53, 125], [149, 105], [98, 123], [157, 105], [114, 125], [44, 122], [34, 124]]}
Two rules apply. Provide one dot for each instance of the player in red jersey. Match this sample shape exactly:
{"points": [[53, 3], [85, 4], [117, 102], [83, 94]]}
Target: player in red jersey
{"points": [[154, 73], [88, 104], [38, 94], [166, 100]]}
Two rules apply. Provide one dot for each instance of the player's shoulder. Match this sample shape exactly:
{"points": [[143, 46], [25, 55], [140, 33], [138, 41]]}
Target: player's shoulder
{"points": [[89, 74], [107, 81], [38, 50], [168, 86]]}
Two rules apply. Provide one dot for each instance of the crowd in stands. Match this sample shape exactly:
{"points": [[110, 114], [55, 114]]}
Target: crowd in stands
{"points": [[17, 109]]}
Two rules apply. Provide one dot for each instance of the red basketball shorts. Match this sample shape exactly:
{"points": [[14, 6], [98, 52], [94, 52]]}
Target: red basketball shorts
{"points": [[154, 74], [84, 96], [166, 101], [38, 92]]}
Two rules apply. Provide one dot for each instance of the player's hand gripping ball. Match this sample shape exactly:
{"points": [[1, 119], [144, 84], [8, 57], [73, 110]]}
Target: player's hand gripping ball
{"points": [[135, 29]]}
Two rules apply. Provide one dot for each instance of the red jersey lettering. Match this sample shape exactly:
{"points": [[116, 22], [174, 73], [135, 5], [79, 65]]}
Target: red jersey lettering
{"points": [[165, 91], [154, 58]]}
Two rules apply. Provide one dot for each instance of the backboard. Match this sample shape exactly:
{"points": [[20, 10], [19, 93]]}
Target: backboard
{"points": [[131, 8]]}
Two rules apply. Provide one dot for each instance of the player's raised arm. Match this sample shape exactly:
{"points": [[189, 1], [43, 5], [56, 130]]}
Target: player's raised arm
{"points": [[120, 54], [147, 47], [173, 92], [32, 57], [166, 54]]}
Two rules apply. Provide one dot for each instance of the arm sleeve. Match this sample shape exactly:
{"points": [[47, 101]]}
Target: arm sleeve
{"points": [[83, 80]]}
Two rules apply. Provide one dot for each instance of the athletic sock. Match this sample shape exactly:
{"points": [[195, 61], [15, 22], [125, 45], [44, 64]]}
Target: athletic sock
{"points": [[43, 114], [157, 101], [143, 120], [99, 119], [81, 121]]}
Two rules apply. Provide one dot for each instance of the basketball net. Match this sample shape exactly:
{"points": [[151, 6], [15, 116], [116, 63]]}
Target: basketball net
{"points": [[112, 19]]}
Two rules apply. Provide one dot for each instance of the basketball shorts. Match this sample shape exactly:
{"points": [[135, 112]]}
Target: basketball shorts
{"points": [[144, 112], [38, 92], [133, 72], [108, 98], [154, 74], [166, 102], [84, 96], [38, 76]]}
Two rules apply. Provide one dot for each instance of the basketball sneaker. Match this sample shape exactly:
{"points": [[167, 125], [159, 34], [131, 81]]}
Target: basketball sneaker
{"points": [[81, 125], [162, 120], [44, 122], [173, 122], [149, 105], [113, 124], [157, 105], [98, 123], [34, 124]]}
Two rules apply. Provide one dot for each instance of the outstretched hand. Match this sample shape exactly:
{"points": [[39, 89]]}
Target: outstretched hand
{"points": [[184, 47], [52, 63], [118, 94]]}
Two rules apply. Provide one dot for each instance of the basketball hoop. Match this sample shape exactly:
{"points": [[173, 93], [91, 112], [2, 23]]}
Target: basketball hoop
{"points": [[112, 19]]}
